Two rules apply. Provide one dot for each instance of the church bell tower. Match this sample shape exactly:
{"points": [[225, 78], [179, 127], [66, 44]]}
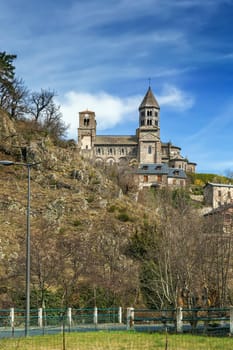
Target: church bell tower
{"points": [[148, 132], [86, 130]]}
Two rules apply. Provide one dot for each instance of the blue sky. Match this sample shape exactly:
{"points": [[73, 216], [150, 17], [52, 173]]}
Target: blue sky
{"points": [[99, 55]]}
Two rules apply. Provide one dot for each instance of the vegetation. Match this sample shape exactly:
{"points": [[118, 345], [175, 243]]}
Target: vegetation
{"points": [[91, 242], [180, 254], [117, 341], [21, 104], [200, 179]]}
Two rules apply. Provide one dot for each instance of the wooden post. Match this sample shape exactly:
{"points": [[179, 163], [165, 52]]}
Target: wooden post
{"points": [[95, 316], [69, 317], [120, 315], [40, 317], [12, 320], [179, 320], [130, 317]]}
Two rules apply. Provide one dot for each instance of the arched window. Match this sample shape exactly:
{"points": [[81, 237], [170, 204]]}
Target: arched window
{"points": [[86, 121]]}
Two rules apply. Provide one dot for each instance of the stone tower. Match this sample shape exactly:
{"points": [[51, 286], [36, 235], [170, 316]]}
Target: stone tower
{"points": [[86, 130], [148, 133]]}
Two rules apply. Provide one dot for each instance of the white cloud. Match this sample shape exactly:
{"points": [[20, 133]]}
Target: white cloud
{"points": [[113, 110], [110, 110], [174, 97]]}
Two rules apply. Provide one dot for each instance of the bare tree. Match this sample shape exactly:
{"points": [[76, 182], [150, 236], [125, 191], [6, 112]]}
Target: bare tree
{"points": [[13, 98], [46, 113], [184, 261], [39, 102], [53, 122]]}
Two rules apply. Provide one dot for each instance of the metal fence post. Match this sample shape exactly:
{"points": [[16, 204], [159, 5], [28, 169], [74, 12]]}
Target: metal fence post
{"points": [[179, 320], [231, 320], [120, 315]]}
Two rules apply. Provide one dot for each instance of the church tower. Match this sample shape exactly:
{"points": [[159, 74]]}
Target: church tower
{"points": [[148, 132], [86, 130]]}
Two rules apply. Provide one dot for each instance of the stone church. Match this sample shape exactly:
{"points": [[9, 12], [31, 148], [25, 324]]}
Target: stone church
{"points": [[155, 163]]}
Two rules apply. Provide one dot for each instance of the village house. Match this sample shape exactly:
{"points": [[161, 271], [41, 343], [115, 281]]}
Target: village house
{"points": [[217, 195], [222, 218]]}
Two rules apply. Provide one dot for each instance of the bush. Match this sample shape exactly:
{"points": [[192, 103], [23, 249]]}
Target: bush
{"points": [[123, 217]]}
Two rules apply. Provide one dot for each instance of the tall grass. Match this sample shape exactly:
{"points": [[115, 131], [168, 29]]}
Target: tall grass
{"points": [[117, 341]]}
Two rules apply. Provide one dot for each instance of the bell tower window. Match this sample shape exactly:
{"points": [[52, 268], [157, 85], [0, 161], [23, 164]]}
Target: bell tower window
{"points": [[86, 121], [149, 113]]}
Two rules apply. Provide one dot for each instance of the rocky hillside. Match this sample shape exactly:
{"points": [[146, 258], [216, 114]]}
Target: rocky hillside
{"points": [[80, 221]]}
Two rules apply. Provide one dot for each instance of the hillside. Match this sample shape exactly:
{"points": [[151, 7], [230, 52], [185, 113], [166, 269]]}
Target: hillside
{"points": [[79, 218], [93, 245]]}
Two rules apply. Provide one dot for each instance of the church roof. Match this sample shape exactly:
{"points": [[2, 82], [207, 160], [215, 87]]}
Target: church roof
{"points": [[115, 140], [149, 100]]}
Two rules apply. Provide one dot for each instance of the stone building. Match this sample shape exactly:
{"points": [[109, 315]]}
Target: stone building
{"points": [[222, 217], [156, 162], [217, 195]]}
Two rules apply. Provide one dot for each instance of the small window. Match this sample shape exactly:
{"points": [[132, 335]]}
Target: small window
{"points": [[149, 149], [145, 178], [149, 113], [228, 218], [145, 167], [219, 193]]}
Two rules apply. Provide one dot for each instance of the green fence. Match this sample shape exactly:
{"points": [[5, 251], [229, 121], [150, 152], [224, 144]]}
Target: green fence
{"points": [[47, 321]]}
